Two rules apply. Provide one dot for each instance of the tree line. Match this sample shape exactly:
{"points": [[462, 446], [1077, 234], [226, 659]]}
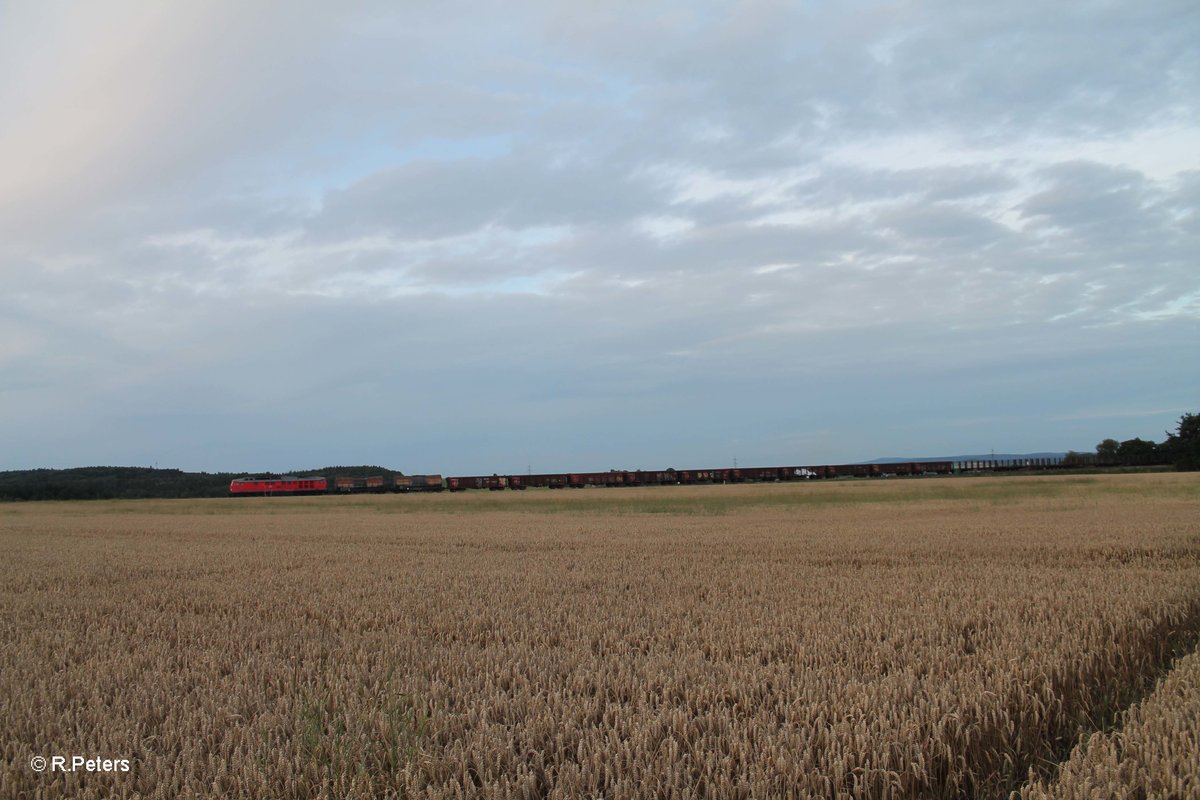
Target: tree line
{"points": [[1181, 449], [136, 483], [109, 483]]}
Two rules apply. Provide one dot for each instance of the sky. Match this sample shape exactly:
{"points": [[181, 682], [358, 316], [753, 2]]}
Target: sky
{"points": [[499, 237]]}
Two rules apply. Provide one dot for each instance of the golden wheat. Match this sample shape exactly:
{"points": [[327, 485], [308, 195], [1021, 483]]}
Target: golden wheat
{"points": [[930, 646]]}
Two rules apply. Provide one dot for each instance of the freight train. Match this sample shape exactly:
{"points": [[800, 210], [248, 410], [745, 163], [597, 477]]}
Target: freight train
{"points": [[292, 485]]}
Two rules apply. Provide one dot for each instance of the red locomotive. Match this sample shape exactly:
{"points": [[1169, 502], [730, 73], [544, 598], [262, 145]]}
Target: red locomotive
{"points": [[286, 485]]}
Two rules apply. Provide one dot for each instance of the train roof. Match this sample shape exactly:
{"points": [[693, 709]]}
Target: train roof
{"points": [[280, 478]]}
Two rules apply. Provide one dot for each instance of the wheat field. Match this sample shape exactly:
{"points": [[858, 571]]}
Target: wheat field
{"points": [[925, 638]]}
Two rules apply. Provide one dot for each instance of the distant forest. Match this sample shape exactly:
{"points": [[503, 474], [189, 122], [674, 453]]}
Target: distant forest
{"points": [[131, 483]]}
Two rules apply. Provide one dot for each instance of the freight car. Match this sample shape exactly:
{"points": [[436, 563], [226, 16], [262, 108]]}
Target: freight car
{"points": [[345, 485], [418, 483]]}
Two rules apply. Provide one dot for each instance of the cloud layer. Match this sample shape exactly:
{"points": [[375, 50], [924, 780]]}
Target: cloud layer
{"points": [[588, 236]]}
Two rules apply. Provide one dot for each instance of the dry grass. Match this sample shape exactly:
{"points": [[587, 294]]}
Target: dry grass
{"points": [[902, 639]]}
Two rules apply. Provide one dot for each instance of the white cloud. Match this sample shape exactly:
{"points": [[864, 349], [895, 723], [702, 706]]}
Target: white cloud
{"points": [[665, 228], [1160, 152]]}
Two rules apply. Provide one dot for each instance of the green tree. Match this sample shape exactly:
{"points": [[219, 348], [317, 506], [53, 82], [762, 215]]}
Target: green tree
{"points": [[1106, 451], [1183, 446], [1137, 452]]}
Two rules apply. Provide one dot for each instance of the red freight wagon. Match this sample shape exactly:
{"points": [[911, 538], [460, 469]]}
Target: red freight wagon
{"points": [[801, 473], [493, 482], [761, 474], [374, 483], [288, 484], [701, 475], [546, 480], [644, 478], [578, 480], [418, 483]]}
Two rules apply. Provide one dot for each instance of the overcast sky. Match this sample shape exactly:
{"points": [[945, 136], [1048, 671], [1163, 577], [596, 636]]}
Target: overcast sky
{"points": [[489, 237]]}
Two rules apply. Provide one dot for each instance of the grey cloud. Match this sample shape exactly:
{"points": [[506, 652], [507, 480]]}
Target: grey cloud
{"points": [[1087, 194], [432, 199], [931, 224], [1068, 68], [1111, 217]]}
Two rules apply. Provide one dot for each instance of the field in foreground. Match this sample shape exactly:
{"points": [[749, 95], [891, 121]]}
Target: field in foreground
{"points": [[904, 639]]}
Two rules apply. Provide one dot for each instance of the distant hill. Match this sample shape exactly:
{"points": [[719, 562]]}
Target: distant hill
{"points": [[977, 457]]}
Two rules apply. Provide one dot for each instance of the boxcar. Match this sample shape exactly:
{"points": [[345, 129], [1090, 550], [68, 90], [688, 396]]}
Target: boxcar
{"points": [[557, 480], [492, 482], [418, 483], [375, 483]]}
